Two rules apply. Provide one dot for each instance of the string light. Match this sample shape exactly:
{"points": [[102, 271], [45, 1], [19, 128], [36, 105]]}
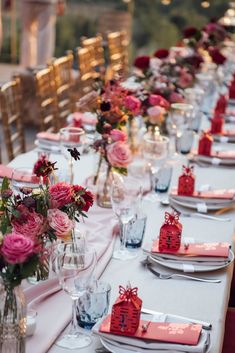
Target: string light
{"points": [[166, 2], [205, 4]]}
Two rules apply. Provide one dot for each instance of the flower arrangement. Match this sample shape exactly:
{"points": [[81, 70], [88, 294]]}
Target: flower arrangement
{"points": [[34, 217]]}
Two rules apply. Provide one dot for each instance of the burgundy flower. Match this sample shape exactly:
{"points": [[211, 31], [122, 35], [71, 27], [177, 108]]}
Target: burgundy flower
{"points": [[161, 53], [43, 167], [194, 60], [6, 194], [217, 57], [105, 106], [190, 32], [83, 197], [142, 62]]}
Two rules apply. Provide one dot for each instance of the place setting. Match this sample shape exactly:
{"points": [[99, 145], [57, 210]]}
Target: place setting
{"points": [[130, 327], [173, 250]]}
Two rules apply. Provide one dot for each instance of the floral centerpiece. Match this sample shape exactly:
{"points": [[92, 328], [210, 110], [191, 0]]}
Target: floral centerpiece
{"points": [[114, 108], [29, 221]]}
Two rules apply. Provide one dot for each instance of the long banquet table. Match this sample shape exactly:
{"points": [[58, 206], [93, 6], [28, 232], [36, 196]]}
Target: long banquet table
{"points": [[203, 301]]}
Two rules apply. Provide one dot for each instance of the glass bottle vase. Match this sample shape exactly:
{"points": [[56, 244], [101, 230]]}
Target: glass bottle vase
{"points": [[12, 319], [104, 183]]}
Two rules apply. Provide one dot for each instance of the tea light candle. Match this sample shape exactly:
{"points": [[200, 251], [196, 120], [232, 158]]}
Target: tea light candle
{"points": [[31, 323]]}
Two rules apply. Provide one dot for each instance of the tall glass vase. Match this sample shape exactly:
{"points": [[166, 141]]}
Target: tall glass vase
{"points": [[104, 183], [12, 319]]}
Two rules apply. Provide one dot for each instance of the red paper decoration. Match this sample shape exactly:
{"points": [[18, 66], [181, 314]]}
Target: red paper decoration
{"points": [[217, 124], [232, 90], [125, 316], [170, 232], [205, 144], [221, 104], [186, 182]]}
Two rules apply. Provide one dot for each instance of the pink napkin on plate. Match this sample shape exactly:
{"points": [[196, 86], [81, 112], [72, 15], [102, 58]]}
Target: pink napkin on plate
{"points": [[6, 171], [196, 249], [52, 304], [50, 136], [222, 194]]}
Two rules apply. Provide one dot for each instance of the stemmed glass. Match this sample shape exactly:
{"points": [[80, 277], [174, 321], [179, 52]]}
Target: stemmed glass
{"points": [[71, 138], [180, 118], [155, 151], [75, 268], [125, 196]]}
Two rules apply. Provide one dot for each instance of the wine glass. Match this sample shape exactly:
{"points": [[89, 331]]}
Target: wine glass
{"points": [[24, 177], [180, 118], [155, 151], [125, 196], [75, 268], [71, 138]]}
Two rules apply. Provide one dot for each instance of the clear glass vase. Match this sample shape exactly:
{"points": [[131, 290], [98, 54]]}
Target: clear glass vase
{"points": [[104, 183], [12, 319]]}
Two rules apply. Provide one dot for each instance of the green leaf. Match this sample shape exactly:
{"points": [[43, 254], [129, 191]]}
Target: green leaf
{"points": [[5, 184], [122, 171], [29, 267], [5, 224]]}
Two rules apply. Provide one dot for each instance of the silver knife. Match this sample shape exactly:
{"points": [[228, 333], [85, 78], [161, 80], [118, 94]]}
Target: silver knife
{"points": [[205, 325]]}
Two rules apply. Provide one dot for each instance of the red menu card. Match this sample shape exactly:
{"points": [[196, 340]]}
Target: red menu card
{"points": [[210, 194], [197, 249], [164, 332]]}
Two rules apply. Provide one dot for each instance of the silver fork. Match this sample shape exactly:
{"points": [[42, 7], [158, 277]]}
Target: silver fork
{"points": [[176, 275]]}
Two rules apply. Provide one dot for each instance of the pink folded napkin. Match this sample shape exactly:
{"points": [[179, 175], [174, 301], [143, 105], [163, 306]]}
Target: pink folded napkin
{"points": [[164, 332], [6, 171], [196, 249], [80, 119], [225, 155], [222, 194], [50, 136], [52, 304]]}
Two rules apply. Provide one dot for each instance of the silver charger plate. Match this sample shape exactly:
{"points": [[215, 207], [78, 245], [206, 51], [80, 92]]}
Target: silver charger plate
{"points": [[210, 205]]}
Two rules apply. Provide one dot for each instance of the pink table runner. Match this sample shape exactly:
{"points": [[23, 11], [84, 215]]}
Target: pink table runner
{"points": [[51, 303]]}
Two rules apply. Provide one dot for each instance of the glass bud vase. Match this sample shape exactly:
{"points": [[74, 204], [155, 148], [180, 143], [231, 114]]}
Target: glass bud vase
{"points": [[104, 183], [12, 319]]}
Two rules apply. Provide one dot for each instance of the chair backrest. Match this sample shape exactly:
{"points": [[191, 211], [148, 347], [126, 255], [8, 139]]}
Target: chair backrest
{"points": [[95, 45], [86, 70], [47, 100], [11, 111], [118, 52], [62, 70], [115, 21]]}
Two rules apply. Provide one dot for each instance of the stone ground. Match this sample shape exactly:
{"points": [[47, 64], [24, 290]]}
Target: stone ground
{"points": [[6, 72]]}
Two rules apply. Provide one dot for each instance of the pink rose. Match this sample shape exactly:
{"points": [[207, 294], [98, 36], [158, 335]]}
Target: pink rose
{"points": [[119, 154], [30, 224], [176, 98], [156, 99], [60, 194], [156, 115], [133, 104], [60, 222], [17, 248], [118, 135]]}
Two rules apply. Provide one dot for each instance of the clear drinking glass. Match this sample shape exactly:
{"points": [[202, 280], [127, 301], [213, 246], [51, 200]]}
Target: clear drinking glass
{"points": [[70, 138], [155, 151], [180, 118], [125, 196], [75, 268]]}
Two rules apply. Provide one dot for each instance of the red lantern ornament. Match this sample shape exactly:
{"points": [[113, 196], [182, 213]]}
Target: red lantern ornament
{"points": [[170, 232], [186, 182], [125, 316], [205, 144], [221, 104], [217, 124]]}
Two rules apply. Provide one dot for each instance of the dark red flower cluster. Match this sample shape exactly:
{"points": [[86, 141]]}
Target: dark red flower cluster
{"points": [[194, 60], [84, 197], [142, 62], [217, 57], [190, 32], [161, 53], [43, 167]]}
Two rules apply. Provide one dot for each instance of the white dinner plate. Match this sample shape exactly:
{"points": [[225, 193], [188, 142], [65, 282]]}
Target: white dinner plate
{"points": [[178, 265], [48, 147], [224, 138], [193, 205], [210, 160]]}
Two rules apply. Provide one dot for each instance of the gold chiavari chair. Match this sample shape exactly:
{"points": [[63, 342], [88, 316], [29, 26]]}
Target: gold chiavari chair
{"points": [[118, 54], [12, 121], [86, 70], [47, 100], [64, 86], [95, 45]]}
